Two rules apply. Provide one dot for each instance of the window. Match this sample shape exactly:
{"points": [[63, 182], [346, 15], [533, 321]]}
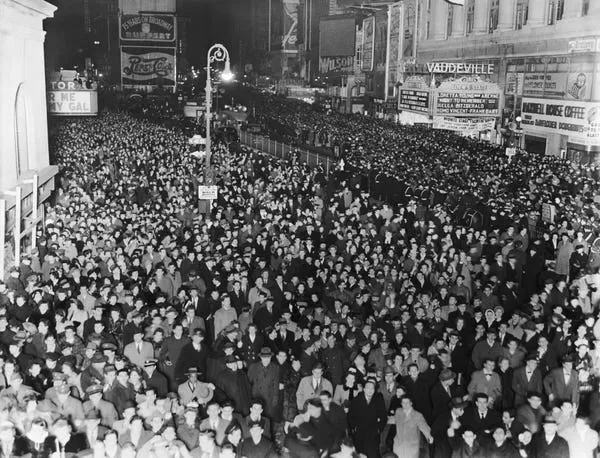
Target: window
{"points": [[450, 19], [555, 11], [493, 21], [521, 13], [21, 133], [585, 7], [470, 16], [428, 33]]}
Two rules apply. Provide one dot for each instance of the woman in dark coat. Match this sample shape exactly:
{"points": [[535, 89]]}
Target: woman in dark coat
{"points": [[506, 374]]}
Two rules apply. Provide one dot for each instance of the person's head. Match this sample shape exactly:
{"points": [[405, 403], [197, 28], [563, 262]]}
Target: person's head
{"points": [[234, 433], [469, 436], [481, 401], [317, 371], [213, 409], [413, 370], [206, 440], [535, 400], [256, 408], [406, 403], [369, 388], [499, 435], [325, 397], [550, 426]]}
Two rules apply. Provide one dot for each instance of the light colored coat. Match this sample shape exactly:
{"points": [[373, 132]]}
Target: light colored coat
{"points": [[408, 433], [138, 359], [307, 391]]}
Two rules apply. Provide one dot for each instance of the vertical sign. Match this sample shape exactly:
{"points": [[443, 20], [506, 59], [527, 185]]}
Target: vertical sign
{"points": [[395, 38], [290, 25], [368, 43]]}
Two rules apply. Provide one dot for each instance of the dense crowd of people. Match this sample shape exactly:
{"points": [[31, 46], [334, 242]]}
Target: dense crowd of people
{"points": [[300, 316]]}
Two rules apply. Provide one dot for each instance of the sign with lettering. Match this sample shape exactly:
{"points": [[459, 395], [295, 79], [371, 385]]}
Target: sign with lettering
{"points": [[545, 84], [460, 68], [73, 103], [208, 192], [583, 45], [148, 27], [414, 100], [514, 83], [336, 65], [578, 120], [467, 97], [463, 124], [548, 212], [368, 43], [147, 66]]}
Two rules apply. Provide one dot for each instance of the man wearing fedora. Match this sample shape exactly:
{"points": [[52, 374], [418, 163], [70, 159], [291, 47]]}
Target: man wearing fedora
{"points": [[562, 383], [193, 354], [442, 423], [108, 413], [154, 379], [264, 379], [138, 351], [442, 393], [193, 390]]}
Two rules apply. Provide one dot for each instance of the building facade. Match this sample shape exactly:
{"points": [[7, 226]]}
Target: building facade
{"points": [[544, 55], [26, 176]]}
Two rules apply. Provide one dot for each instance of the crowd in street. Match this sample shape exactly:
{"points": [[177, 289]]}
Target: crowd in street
{"points": [[300, 316]]}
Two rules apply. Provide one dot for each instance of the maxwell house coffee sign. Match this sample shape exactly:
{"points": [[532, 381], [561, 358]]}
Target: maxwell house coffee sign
{"points": [[148, 27], [147, 66]]}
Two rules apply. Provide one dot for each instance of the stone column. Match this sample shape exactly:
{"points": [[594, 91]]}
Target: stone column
{"points": [[573, 9], [506, 15], [480, 17], [537, 13], [594, 8], [458, 21], [439, 20]]}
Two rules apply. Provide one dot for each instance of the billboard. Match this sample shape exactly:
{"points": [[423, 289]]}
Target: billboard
{"points": [[368, 43], [290, 25], [396, 38], [414, 100], [158, 28], [141, 66], [334, 66], [73, 102], [467, 97], [336, 36], [576, 119]]}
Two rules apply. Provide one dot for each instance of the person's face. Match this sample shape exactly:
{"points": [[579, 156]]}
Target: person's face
{"points": [[468, 437], [506, 418], [489, 365], [499, 435], [317, 373], [481, 403], [550, 428], [369, 390], [535, 402], [406, 404], [413, 372], [256, 410]]}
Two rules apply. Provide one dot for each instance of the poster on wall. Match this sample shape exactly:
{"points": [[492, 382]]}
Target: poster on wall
{"points": [[579, 86], [142, 66], [368, 43], [148, 27], [514, 84], [545, 84]]}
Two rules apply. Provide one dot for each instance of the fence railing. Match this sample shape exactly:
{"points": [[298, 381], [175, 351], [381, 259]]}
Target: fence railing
{"points": [[284, 151]]}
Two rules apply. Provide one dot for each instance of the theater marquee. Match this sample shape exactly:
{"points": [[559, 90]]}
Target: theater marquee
{"points": [[467, 97]]}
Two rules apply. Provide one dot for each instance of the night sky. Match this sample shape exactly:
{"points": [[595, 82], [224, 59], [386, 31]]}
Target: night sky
{"points": [[210, 21]]}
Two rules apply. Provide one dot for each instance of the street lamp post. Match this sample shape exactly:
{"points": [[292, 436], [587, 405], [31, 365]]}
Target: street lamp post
{"points": [[216, 53]]}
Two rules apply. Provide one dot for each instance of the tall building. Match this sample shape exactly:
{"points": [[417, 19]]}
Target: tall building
{"points": [[543, 55]]}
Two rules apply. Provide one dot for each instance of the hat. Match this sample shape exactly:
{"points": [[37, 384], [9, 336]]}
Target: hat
{"points": [[92, 414], [192, 370], [93, 389], [108, 346], [446, 374], [98, 358], [549, 419], [531, 357], [458, 403], [53, 356], [317, 365], [150, 362], [388, 370], [568, 358], [529, 325], [307, 344], [231, 359], [266, 351], [205, 394]]}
